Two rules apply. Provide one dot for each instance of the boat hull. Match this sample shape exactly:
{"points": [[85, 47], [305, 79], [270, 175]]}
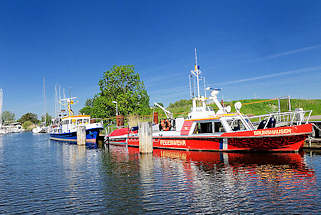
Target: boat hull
{"points": [[284, 139], [91, 136]]}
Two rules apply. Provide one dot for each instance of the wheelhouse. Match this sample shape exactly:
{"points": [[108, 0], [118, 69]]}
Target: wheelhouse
{"points": [[217, 125], [76, 120]]}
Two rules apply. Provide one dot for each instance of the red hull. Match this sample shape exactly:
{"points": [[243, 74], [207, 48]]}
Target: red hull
{"points": [[274, 139]]}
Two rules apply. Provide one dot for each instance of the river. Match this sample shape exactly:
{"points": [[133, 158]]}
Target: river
{"points": [[39, 176]]}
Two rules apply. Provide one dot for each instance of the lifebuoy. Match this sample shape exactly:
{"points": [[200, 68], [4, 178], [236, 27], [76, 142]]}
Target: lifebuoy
{"points": [[161, 124], [167, 125]]}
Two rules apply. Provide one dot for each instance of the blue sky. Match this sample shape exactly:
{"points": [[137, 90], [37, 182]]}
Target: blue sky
{"points": [[250, 49]]}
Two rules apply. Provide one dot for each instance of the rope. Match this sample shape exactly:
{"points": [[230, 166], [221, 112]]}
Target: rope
{"points": [[316, 126]]}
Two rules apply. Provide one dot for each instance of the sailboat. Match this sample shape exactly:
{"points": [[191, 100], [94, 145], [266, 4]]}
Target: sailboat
{"points": [[2, 129], [42, 128]]}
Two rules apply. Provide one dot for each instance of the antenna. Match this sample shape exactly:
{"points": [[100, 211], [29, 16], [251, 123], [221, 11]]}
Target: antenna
{"points": [[204, 86], [191, 86], [196, 57]]}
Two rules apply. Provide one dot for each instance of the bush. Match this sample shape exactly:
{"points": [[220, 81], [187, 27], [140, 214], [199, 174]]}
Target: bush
{"points": [[28, 125]]}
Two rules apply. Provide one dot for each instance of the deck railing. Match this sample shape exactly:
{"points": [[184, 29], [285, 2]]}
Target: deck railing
{"points": [[297, 117]]}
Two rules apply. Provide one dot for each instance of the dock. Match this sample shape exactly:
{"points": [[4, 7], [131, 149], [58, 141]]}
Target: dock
{"points": [[312, 143]]}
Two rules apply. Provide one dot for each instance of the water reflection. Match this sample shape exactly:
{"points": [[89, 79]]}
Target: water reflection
{"points": [[1, 146], [46, 177], [121, 183], [210, 182]]}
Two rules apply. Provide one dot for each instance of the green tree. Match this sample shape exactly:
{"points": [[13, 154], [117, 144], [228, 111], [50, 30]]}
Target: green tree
{"points": [[88, 106], [7, 116], [123, 85], [29, 117]]}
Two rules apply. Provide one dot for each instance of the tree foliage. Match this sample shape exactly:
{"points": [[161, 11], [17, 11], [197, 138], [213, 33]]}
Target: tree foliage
{"points": [[123, 85], [7, 116], [29, 117]]}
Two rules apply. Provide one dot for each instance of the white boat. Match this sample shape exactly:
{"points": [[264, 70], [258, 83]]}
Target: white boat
{"points": [[15, 127], [40, 129], [3, 131], [64, 127]]}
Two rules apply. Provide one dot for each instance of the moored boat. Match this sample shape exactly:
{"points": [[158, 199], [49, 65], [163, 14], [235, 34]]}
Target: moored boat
{"points": [[207, 130], [64, 127], [40, 129]]}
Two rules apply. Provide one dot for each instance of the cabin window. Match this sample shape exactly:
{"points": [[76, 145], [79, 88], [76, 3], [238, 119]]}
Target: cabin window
{"points": [[203, 127], [237, 125], [79, 121], [86, 121], [218, 127]]}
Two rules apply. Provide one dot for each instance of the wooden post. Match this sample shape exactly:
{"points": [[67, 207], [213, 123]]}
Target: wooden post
{"points": [[145, 137], [81, 135]]}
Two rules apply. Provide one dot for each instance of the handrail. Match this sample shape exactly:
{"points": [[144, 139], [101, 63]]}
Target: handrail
{"points": [[287, 117]]}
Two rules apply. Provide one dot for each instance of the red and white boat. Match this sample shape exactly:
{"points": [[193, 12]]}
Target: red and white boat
{"points": [[206, 130]]}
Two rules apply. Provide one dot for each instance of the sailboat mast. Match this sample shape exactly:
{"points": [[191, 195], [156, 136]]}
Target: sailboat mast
{"points": [[1, 100], [44, 97]]}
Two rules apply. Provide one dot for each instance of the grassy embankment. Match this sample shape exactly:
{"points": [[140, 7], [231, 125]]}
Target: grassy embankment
{"points": [[252, 106]]}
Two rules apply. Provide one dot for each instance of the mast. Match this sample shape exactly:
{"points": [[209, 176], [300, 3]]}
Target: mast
{"points": [[204, 82], [56, 101], [1, 100], [68, 102], [44, 98], [196, 72], [197, 75], [59, 97]]}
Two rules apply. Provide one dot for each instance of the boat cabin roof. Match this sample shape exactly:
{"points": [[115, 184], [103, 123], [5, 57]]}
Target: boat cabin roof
{"points": [[216, 117], [77, 117]]}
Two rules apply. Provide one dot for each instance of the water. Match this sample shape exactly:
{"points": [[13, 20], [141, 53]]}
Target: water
{"points": [[41, 176]]}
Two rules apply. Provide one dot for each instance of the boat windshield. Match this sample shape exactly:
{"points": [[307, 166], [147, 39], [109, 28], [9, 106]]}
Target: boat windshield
{"points": [[209, 108], [237, 125], [208, 127]]}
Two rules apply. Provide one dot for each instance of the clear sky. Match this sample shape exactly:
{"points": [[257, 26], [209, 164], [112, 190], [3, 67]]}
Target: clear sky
{"points": [[249, 48]]}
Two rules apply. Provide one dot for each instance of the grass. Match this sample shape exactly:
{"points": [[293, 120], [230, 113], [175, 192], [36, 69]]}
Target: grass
{"points": [[253, 106]]}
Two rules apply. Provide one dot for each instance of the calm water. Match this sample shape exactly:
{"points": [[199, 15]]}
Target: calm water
{"points": [[40, 176]]}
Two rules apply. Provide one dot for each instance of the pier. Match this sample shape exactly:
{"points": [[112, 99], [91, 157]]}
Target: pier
{"points": [[312, 143]]}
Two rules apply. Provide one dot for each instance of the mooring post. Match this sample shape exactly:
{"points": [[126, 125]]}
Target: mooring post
{"points": [[145, 137], [81, 135]]}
